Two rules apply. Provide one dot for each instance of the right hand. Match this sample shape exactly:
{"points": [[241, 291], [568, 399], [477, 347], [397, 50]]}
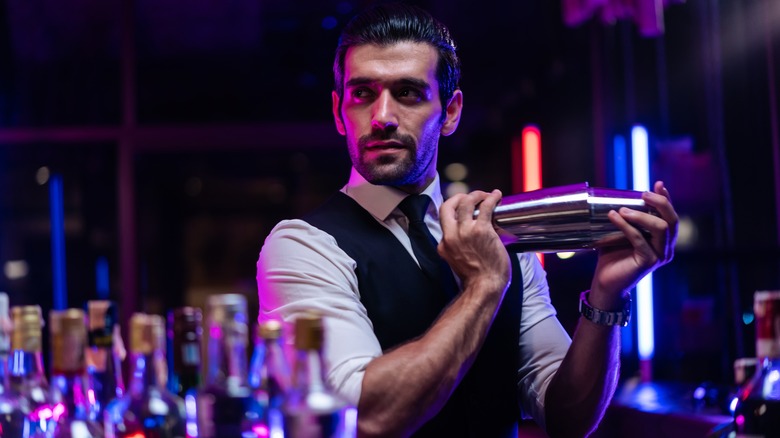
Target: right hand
{"points": [[472, 247]]}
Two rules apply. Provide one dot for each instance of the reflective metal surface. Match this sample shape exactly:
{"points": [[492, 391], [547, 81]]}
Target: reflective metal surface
{"points": [[564, 218]]}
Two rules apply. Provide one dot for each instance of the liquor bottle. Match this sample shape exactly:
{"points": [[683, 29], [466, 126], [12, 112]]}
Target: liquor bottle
{"points": [[311, 410], [12, 415], [147, 409], [184, 338], [103, 356], [226, 408], [757, 413], [269, 377], [28, 377], [71, 409]]}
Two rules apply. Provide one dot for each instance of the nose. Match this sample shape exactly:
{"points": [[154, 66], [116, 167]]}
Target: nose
{"points": [[385, 114]]}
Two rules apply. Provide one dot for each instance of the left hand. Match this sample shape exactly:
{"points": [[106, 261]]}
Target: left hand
{"points": [[620, 268]]}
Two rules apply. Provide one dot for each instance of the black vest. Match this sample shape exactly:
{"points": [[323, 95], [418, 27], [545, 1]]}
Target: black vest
{"points": [[402, 306]]}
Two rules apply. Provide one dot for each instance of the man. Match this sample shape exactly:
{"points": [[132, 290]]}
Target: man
{"points": [[415, 352]]}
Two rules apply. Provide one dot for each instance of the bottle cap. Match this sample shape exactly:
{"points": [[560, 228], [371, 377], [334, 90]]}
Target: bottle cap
{"points": [[308, 331], [28, 322], [271, 329], [227, 308], [68, 340], [147, 333], [6, 328]]}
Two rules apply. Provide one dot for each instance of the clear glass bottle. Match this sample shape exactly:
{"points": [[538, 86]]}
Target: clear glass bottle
{"points": [[104, 357], [147, 409], [757, 413], [226, 408], [12, 416], [184, 360], [70, 407], [269, 378], [311, 410], [28, 376]]}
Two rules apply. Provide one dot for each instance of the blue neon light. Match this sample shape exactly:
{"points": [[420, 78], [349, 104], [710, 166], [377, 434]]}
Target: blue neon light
{"points": [[640, 160], [60, 292]]}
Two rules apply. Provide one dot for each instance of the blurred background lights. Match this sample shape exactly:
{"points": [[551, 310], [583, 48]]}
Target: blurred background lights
{"points": [[42, 175], [687, 233], [329, 23], [565, 255], [457, 187], [748, 317], [16, 269], [456, 171]]}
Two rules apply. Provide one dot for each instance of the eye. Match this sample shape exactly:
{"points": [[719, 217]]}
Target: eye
{"points": [[410, 95], [361, 93]]}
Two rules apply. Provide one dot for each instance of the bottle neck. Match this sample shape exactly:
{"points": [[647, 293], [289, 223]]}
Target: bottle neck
{"points": [[227, 366], [147, 371], [28, 365], [69, 396], [271, 375], [309, 375]]}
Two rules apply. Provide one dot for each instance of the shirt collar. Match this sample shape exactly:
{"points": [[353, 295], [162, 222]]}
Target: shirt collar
{"points": [[380, 201]]}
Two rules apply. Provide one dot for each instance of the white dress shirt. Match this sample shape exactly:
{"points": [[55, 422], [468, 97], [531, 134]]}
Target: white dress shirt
{"points": [[302, 268]]}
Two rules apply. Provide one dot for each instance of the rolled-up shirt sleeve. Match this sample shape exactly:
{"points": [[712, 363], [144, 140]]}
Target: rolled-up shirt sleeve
{"points": [[301, 268], [543, 341]]}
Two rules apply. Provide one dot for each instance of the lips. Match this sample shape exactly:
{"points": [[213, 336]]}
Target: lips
{"points": [[385, 145]]}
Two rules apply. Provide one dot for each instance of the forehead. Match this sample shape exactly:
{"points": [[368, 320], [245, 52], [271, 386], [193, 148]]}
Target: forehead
{"points": [[405, 59]]}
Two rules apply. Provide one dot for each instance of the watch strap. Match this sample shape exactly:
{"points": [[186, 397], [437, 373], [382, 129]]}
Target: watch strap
{"points": [[603, 317]]}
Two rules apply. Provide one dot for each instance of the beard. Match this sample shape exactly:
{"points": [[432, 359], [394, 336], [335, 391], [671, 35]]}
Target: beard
{"points": [[393, 170]]}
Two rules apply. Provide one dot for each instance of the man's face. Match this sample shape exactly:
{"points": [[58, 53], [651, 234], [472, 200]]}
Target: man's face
{"points": [[391, 113]]}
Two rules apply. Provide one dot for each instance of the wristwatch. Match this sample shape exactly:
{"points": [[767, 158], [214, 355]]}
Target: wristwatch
{"points": [[603, 317]]}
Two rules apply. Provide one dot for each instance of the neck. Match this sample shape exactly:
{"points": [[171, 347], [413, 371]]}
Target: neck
{"points": [[227, 363], [28, 365], [145, 372], [69, 396]]}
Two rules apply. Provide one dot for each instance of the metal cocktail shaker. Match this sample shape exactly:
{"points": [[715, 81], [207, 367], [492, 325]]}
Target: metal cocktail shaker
{"points": [[564, 218]]}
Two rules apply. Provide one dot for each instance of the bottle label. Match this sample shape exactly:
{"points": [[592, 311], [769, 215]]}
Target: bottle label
{"points": [[767, 311], [190, 354]]}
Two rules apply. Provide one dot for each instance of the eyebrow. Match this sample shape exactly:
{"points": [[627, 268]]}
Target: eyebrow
{"points": [[419, 83]]}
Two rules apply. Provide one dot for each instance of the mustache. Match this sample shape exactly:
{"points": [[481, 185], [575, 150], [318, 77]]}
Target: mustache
{"points": [[382, 135]]}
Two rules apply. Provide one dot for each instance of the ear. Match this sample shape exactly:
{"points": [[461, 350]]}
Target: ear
{"points": [[337, 113], [452, 115]]}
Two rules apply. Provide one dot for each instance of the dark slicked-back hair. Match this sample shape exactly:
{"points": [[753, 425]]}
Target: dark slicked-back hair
{"points": [[385, 24]]}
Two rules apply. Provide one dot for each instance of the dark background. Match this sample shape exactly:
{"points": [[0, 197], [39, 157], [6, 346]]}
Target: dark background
{"points": [[221, 112]]}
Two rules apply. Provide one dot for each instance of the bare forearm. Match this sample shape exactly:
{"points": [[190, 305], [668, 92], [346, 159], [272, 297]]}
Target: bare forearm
{"points": [[584, 384], [408, 385]]}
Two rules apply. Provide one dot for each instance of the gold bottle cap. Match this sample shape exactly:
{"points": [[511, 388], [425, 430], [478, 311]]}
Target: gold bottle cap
{"points": [[97, 313], [271, 329], [227, 308], [308, 332], [147, 333], [68, 340], [28, 322]]}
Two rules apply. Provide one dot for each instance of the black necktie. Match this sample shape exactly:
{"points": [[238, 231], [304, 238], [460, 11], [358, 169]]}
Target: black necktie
{"points": [[424, 245]]}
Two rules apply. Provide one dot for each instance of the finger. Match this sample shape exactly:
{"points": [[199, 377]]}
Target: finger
{"points": [[469, 203], [448, 215], [661, 189], [658, 228], [632, 233], [488, 205], [662, 204]]}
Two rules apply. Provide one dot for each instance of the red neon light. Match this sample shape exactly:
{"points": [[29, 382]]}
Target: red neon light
{"points": [[532, 163], [532, 158]]}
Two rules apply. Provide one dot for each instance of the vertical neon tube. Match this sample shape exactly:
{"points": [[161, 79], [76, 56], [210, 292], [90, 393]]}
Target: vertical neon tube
{"points": [[532, 164], [620, 173], [640, 158], [532, 158], [619, 162], [101, 278], [57, 215]]}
